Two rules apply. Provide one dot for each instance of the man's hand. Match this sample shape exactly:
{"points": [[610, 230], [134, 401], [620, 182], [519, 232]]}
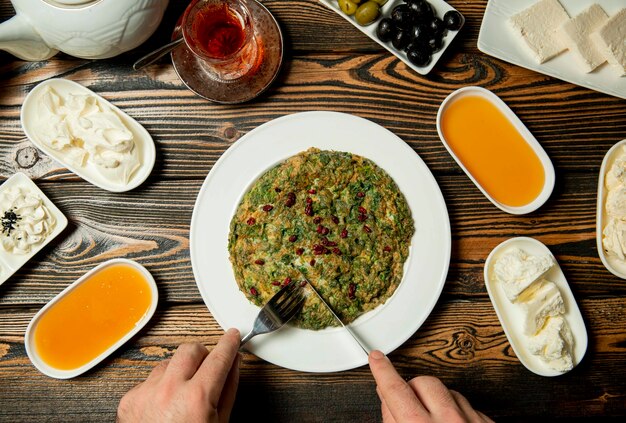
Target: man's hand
{"points": [[423, 399], [193, 386]]}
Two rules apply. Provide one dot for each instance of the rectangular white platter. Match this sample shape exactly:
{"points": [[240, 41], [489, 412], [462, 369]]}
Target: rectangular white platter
{"points": [[497, 39], [439, 6]]}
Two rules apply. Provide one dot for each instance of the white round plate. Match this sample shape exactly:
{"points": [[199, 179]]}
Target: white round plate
{"points": [[384, 328]]}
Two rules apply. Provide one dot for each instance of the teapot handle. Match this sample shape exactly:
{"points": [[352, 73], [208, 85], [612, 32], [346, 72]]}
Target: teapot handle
{"points": [[19, 37]]}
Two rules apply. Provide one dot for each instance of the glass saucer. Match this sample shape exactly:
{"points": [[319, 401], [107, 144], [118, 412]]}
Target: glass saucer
{"points": [[190, 69]]}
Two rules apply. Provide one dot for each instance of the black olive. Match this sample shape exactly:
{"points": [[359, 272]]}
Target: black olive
{"points": [[418, 56], [453, 20], [386, 30], [422, 10], [400, 39], [435, 43], [420, 33], [436, 26], [401, 15]]}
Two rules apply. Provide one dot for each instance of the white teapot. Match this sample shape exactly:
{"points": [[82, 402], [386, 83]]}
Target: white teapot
{"points": [[90, 29]]}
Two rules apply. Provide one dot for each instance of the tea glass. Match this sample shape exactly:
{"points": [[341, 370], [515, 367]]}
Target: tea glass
{"points": [[221, 34]]}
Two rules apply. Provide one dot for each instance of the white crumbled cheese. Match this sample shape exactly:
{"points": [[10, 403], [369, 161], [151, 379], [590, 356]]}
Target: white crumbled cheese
{"points": [[576, 32], [611, 40], [537, 25], [516, 271], [539, 302], [614, 231], [554, 344]]}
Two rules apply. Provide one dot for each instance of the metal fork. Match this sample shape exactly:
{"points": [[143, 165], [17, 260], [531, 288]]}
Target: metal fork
{"points": [[278, 310]]}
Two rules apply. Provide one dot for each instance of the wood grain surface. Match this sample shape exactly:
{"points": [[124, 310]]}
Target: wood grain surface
{"points": [[328, 66]]}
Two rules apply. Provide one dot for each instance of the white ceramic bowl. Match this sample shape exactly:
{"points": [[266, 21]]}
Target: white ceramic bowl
{"points": [[612, 263], [440, 6], [143, 141], [48, 370], [10, 263], [548, 168], [511, 317]]}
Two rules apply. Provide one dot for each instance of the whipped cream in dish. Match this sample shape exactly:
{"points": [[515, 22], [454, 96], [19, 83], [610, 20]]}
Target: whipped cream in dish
{"points": [[541, 321], [26, 221], [83, 129], [88, 135], [29, 221]]}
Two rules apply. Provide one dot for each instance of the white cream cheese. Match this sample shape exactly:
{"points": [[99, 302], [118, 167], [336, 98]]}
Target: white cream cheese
{"points": [[85, 130], [539, 302], [554, 344], [614, 232], [26, 222], [610, 39], [516, 271]]}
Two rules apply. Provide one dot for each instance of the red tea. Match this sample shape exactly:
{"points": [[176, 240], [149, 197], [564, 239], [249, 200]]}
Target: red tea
{"points": [[219, 31]]}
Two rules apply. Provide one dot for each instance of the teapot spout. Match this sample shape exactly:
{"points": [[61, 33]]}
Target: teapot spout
{"points": [[18, 37]]}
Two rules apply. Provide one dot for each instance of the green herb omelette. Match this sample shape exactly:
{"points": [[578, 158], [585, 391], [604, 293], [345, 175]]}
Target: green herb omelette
{"points": [[332, 217]]}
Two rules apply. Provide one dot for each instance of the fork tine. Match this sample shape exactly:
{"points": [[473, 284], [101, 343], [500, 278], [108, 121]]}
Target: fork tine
{"points": [[295, 308], [284, 295], [294, 297]]}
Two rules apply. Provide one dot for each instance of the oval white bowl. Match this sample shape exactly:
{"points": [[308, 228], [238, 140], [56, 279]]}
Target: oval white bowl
{"points": [[143, 140], [48, 370], [10, 263], [613, 264], [511, 316], [548, 168]]}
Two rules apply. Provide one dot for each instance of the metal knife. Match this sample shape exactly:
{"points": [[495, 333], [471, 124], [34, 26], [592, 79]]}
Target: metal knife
{"points": [[354, 336]]}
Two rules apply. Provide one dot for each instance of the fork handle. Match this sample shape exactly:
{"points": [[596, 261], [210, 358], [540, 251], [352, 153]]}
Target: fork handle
{"points": [[247, 338]]}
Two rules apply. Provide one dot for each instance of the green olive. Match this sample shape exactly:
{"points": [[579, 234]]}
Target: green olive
{"points": [[367, 13], [348, 6], [381, 3]]}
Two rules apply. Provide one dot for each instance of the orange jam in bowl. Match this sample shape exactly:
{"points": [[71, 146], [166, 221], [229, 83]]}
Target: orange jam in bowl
{"points": [[91, 318], [496, 150]]}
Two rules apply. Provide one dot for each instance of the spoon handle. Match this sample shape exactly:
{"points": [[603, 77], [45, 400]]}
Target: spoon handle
{"points": [[155, 55]]}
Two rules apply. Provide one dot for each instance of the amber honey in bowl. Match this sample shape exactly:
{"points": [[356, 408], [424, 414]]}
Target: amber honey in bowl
{"points": [[492, 149], [89, 318]]}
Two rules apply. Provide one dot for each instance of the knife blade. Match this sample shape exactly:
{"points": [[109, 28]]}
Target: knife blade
{"points": [[350, 331]]}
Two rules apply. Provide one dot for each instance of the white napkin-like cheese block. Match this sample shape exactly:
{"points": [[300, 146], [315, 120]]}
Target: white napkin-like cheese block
{"points": [[576, 32], [610, 39]]}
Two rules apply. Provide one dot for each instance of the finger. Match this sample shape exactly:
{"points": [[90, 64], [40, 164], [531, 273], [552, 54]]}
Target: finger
{"points": [[215, 368], [158, 371], [466, 407], [185, 361], [398, 395], [229, 393], [434, 395], [387, 416], [485, 419]]}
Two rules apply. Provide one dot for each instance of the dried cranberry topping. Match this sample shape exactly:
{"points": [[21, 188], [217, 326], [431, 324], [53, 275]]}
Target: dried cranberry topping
{"points": [[251, 221], [293, 238], [260, 262], [344, 233], [267, 207]]}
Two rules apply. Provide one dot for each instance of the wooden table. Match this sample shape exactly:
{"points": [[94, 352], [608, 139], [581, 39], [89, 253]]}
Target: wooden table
{"points": [[328, 66]]}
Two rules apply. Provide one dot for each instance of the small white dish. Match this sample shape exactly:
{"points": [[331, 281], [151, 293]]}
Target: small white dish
{"points": [[29, 340], [10, 263], [511, 316], [549, 177], [143, 141], [613, 264], [439, 6]]}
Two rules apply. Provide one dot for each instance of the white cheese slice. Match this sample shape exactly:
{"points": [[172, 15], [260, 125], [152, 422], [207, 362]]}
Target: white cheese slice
{"points": [[611, 40], [516, 271], [539, 302], [554, 344], [537, 25], [576, 32]]}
